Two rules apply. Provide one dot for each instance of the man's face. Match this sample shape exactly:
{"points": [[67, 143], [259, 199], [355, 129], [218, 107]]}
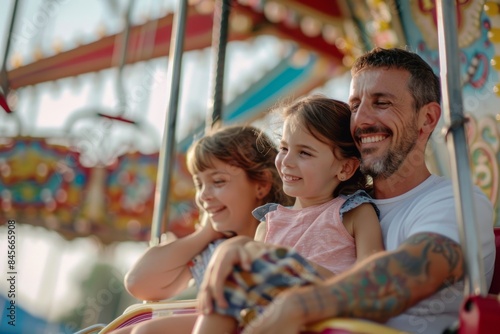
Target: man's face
{"points": [[383, 122]]}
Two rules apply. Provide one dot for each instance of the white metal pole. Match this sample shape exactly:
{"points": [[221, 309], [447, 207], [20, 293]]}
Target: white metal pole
{"points": [[475, 282], [167, 151]]}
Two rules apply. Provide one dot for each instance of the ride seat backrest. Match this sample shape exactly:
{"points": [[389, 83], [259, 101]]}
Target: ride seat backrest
{"points": [[495, 283]]}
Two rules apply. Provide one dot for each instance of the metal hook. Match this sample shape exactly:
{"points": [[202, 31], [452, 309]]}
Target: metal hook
{"points": [[455, 124]]}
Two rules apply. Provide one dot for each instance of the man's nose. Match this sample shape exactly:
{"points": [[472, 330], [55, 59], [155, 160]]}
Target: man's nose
{"points": [[364, 115]]}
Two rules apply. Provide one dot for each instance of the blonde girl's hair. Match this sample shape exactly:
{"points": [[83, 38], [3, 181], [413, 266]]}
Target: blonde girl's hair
{"points": [[242, 146], [328, 120]]}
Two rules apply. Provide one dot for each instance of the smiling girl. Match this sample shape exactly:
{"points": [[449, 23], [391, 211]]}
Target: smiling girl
{"points": [[233, 172]]}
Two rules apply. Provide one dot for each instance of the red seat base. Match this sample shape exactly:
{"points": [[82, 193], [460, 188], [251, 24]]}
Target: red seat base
{"points": [[495, 283]]}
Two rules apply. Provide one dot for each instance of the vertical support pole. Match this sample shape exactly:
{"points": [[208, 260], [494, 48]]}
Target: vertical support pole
{"points": [[219, 42], [167, 152], [121, 59], [459, 153]]}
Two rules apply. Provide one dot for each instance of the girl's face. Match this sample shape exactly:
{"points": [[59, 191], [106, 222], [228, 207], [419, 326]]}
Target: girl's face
{"points": [[307, 166], [228, 197]]}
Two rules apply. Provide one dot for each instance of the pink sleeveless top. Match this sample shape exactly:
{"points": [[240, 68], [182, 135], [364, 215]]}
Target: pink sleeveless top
{"points": [[317, 233]]}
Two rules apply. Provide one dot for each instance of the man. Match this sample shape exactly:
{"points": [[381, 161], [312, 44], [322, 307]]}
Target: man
{"points": [[415, 285]]}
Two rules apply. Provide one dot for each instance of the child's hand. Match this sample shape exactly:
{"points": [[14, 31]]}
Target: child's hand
{"points": [[228, 254], [208, 230]]}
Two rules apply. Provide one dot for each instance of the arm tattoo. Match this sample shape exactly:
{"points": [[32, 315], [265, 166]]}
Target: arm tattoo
{"points": [[319, 300], [393, 281], [303, 305], [446, 248]]}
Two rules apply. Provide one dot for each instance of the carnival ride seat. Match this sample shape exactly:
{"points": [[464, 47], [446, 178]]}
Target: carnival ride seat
{"points": [[495, 283], [479, 314], [137, 313], [183, 303]]}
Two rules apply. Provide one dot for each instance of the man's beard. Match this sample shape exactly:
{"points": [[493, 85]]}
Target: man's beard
{"points": [[389, 163]]}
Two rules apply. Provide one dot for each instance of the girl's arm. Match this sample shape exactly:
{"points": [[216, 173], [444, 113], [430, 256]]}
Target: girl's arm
{"points": [[260, 232], [162, 271], [363, 222]]}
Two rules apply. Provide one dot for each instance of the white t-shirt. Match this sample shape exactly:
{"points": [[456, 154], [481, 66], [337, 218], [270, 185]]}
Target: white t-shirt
{"points": [[430, 207]]}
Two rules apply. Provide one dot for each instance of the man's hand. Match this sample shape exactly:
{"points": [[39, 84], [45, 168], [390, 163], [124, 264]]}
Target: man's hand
{"points": [[228, 254], [240, 251], [283, 315]]}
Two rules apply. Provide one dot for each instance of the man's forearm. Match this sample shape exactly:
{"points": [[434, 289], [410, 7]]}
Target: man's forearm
{"points": [[386, 284]]}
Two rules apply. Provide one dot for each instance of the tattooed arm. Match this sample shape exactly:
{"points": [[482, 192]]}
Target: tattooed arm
{"points": [[382, 286]]}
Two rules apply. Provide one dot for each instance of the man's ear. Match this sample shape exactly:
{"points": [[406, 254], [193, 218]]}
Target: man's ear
{"points": [[349, 166], [429, 118]]}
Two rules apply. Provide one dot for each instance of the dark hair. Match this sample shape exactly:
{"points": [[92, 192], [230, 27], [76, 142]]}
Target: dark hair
{"points": [[328, 120], [423, 84], [245, 147]]}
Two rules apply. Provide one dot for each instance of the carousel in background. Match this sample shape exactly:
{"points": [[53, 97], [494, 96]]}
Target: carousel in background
{"points": [[94, 173], [97, 177]]}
